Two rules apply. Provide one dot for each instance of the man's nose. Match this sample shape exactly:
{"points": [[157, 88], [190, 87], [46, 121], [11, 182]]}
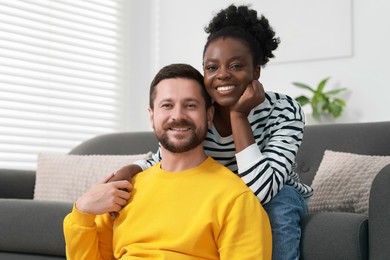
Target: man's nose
{"points": [[177, 112]]}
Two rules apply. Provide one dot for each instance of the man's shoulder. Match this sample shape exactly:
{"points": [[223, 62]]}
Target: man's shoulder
{"points": [[224, 175]]}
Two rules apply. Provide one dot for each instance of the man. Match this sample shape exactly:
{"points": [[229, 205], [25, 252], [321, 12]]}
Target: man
{"points": [[185, 207]]}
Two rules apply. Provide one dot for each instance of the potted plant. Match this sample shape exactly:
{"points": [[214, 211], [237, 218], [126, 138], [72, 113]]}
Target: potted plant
{"points": [[322, 102]]}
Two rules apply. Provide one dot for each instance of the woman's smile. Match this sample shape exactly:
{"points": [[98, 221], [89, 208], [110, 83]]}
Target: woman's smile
{"points": [[225, 89]]}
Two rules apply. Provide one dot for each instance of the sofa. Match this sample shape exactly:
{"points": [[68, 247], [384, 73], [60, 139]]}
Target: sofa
{"points": [[32, 229]]}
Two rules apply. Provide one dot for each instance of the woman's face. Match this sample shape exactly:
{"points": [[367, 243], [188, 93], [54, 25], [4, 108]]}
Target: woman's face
{"points": [[228, 69]]}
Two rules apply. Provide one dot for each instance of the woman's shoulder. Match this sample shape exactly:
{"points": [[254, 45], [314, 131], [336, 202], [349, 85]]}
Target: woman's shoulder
{"points": [[275, 98], [277, 105]]}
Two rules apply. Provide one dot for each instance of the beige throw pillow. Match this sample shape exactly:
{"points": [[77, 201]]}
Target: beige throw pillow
{"points": [[343, 182], [66, 177]]}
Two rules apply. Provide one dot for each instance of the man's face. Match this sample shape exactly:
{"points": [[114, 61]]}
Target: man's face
{"points": [[179, 117]]}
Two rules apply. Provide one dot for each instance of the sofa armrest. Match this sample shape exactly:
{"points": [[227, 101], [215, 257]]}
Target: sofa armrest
{"points": [[334, 235], [18, 184], [33, 226], [379, 213]]}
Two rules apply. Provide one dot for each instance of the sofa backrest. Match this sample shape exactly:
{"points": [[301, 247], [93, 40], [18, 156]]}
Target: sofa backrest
{"points": [[118, 144], [371, 138], [361, 138]]}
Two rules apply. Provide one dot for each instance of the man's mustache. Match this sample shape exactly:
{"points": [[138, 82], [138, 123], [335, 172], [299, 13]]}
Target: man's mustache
{"points": [[180, 123]]}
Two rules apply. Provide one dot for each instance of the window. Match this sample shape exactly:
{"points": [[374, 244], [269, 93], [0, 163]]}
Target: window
{"points": [[61, 75]]}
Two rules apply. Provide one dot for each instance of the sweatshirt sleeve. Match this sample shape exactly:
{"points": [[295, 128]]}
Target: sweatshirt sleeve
{"points": [[246, 233], [88, 236]]}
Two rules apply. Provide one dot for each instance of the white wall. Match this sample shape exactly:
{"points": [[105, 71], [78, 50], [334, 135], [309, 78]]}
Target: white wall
{"points": [[350, 46]]}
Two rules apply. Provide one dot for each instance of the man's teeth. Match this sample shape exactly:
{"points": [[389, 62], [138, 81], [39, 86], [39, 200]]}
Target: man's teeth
{"points": [[225, 88], [179, 129]]}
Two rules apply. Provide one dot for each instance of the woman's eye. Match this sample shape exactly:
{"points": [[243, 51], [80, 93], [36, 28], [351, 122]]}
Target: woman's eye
{"points": [[211, 67], [236, 66]]}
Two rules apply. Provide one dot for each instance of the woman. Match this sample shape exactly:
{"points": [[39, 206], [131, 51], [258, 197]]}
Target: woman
{"points": [[256, 134]]}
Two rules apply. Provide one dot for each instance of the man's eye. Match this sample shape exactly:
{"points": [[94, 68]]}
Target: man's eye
{"points": [[191, 106], [166, 105]]}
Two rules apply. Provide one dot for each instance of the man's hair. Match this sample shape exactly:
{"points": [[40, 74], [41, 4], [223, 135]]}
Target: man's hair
{"points": [[178, 70]]}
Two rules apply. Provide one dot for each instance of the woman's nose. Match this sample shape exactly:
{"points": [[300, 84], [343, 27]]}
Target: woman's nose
{"points": [[223, 73]]}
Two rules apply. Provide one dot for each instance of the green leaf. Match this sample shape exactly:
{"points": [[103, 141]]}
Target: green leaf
{"points": [[322, 102], [321, 85], [335, 109], [335, 91], [302, 100], [304, 86], [339, 102]]}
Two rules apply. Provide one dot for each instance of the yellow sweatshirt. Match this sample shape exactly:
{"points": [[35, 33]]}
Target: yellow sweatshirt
{"points": [[206, 212]]}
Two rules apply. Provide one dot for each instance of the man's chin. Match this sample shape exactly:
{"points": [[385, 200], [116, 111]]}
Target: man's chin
{"points": [[178, 134], [180, 141], [179, 144], [178, 148]]}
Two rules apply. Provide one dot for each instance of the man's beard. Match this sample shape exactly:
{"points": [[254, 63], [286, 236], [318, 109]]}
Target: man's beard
{"points": [[196, 138]]}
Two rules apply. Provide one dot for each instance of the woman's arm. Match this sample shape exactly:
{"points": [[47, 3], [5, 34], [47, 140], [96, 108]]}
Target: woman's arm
{"points": [[129, 171], [265, 167], [266, 144]]}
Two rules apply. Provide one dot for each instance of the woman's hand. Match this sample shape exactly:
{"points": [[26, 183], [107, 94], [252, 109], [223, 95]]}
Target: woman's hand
{"points": [[126, 173], [241, 129], [253, 95], [105, 197]]}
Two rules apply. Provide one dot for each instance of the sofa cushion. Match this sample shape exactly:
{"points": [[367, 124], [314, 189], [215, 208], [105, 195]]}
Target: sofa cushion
{"points": [[343, 181], [32, 227], [66, 177]]}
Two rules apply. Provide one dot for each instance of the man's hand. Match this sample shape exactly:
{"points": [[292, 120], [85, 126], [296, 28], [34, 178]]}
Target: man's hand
{"points": [[125, 173], [253, 95], [105, 197]]}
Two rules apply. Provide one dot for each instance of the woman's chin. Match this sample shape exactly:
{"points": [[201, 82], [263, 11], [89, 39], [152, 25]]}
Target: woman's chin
{"points": [[224, 102]]}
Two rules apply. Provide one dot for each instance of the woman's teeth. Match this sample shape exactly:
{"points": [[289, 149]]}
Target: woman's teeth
{"points": [[225, 88]]}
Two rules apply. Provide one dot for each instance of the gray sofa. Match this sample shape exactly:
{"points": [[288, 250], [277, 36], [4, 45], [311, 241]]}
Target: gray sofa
{"points": [[33, 229]]}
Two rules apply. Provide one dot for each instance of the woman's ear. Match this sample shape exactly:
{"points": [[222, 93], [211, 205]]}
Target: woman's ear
{"points": [[257, 72]]}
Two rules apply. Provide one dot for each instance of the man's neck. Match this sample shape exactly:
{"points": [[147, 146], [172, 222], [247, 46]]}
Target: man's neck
{"points": [[174, 162]]}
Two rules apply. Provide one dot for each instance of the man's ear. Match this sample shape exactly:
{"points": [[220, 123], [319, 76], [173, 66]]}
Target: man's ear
{"points": [[151, 116], [210, 116], [257, 72]]}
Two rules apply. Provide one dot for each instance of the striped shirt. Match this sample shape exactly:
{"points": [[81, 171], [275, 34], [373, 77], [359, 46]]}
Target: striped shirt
{"points": [[265, 166]]}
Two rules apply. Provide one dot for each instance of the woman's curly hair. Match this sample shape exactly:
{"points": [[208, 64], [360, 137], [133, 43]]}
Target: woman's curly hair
{"points": [[242, 23]]}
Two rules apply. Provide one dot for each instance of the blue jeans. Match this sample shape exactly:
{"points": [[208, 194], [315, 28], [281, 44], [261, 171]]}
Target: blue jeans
{"points": [[285, 211]]}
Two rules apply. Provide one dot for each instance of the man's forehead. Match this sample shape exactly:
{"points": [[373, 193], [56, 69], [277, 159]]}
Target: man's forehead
{"points": [[175, 88]]}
